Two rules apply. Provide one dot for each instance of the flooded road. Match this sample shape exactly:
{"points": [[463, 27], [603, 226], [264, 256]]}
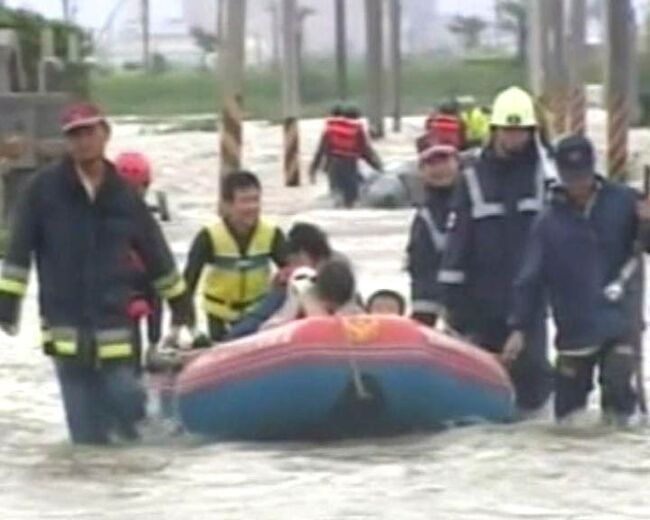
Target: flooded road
{"points": [[528, 471]]}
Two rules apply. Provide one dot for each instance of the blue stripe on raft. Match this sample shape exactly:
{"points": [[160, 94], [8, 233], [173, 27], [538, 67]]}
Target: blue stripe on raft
{"points": [[299, 402]]}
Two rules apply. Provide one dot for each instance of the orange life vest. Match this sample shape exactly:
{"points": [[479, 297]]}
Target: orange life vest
{"points": [[445, 129], [343, 137]]}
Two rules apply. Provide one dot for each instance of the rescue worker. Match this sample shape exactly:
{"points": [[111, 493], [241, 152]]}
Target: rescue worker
{"points": [[476, 122], [576, 255], [145, 305], [307, 246], [439, 168], [238, 252], [493, 207], [80, 221], [342, 144]]}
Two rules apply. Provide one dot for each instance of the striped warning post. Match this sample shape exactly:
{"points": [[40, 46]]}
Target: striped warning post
{"points": [[618, 119], [231, 135], [291, 152], [578, 110], [559, 107]]}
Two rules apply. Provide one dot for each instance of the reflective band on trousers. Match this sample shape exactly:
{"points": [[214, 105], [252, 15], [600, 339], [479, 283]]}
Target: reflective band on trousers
{"points": [[451, 277], [13, 279], [438, 237], [111, 343], [483, 209]]}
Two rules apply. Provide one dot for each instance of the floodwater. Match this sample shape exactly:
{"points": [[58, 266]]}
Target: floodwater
{"points": [[526, 471]]}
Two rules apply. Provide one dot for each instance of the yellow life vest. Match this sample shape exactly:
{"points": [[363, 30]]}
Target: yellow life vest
{"points": [[234, 282], [477, 125]]}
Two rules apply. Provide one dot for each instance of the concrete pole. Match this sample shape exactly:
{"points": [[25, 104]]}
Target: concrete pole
{"points": [[275, 33], [47, 55], [341, 50], [231, 74], [396, 62], [619, 65], [559, 77], [577, 33], [290, 92], [74, 53], [146, 54], [374, 67]]}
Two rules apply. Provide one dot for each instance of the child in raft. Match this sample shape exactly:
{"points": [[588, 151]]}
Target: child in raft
{"points": [[386, 302]]}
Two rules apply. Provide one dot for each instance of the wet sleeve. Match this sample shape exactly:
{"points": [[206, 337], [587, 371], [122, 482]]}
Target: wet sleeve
{"points": [[529, 282], [198, 257], [154, 251], [279, 249], [252, 321], [17, 261], [422, 269], [453, 275]]}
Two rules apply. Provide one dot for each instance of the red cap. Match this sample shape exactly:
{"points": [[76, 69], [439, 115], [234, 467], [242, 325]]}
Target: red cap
{"points": [[78, 115]]}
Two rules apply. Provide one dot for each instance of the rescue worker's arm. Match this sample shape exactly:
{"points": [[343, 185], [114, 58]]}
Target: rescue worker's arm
{"points": [[318, 158], [529, 283], [151, 246], [527, 295], [643, 215], [199, 255], [453, 276], [279, 249], [369, 154], [17, 262], [423, 273]]}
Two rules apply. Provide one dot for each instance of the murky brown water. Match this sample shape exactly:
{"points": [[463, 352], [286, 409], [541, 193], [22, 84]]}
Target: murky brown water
{"points": [[527, 471]]}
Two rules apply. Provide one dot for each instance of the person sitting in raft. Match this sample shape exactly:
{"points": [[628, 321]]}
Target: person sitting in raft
{"points": [[307, 247], [386, 302], [330, 291]]}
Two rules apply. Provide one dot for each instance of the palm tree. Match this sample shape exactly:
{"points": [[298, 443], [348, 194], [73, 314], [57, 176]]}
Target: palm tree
{"points": [[468, 29]]}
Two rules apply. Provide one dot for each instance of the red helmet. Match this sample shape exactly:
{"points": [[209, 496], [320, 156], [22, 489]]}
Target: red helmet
{"points": [[134, 167]]}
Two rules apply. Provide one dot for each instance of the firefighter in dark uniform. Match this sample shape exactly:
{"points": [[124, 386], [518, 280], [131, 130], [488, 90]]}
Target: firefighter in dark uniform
{"points": [[439, 167], [80, 221], [579, 250], [494, 206], [237, 253], [343, 143]]}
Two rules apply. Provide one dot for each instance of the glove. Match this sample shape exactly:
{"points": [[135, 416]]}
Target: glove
{"points": [[138, 308]]}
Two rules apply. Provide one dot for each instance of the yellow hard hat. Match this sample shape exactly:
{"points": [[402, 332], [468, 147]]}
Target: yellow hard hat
{"points": [[514, 108]]}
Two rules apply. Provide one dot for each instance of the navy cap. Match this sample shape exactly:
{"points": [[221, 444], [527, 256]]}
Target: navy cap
{"points": [[575, 157]]}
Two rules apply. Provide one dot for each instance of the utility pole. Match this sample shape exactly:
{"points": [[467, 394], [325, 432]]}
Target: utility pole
{"points": [[146, 61], [290, 92], [374, 67], [559, 79], [396, 62], [577, 58], [275, 33], [341, 50], [231, 73], [619, 63]]}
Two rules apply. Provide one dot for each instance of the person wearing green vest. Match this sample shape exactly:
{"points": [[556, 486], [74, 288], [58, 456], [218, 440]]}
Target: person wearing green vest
{"points": [[234, 257]]}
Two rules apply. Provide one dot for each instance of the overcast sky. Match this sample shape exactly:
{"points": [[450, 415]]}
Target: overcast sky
{"points": [[93, 13]]}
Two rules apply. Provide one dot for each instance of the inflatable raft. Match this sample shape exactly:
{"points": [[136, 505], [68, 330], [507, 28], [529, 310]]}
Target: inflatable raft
{"points": [[340, 377]]}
